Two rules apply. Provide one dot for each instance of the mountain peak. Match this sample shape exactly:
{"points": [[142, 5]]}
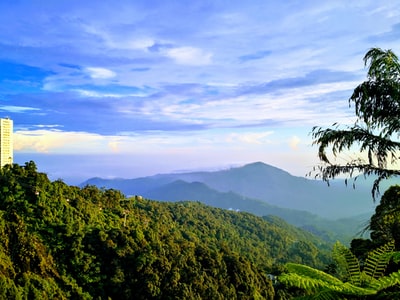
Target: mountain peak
{"points": [[259, 169], [256, 180], [261, 165]]}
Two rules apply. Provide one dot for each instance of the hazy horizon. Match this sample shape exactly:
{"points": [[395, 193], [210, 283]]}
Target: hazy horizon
{"points": [[134, 88], [86, 168]]}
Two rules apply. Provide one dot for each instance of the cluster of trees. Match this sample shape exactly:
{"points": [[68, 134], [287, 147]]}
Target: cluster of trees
{"points": [[64, 242], [370, 268]]}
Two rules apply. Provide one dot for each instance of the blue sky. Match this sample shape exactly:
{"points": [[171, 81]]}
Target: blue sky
{"points": [[134, 88]]}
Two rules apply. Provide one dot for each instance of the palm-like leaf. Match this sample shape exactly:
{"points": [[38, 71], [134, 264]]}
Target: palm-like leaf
{"points": [[309, 284], [347, 263], [379, 148], [388, 281], [377, 261], [381, 111], [380, 152], [311, 273], [377, 107], [320, 285], [382, 64]]}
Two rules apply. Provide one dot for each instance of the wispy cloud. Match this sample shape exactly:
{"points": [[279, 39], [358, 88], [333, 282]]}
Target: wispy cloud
{"points": [[391, 35], [100, 73], [294, 142], [45, 141], [250, 137], [189, 56], [17, 109], [53, 140], [172, 77]]}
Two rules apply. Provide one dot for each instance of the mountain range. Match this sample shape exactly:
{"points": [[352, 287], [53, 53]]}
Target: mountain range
{"points": [[263, 190], [255, 182]]}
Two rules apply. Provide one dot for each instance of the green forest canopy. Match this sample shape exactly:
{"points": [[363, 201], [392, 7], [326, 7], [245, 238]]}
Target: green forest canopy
{"points": [[59, 241]]}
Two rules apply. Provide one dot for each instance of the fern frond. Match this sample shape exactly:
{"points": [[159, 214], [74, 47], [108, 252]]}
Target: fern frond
{"points": [[320, 285], [325, 294], [351, 289], [309, 272], [377, 261], [310, 285], [388, 281], [320, 289], [347, 263]]}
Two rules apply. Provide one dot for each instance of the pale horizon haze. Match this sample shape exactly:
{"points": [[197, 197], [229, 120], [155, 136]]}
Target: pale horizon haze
{"points": [[135, 88]]}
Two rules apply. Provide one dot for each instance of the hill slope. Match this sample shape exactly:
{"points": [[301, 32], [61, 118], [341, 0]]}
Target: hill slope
{"points": [[62, 242], [262, 182]]}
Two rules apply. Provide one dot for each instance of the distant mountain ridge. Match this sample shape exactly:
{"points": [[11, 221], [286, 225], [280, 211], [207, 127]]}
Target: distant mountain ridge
{"points": [[257, 181], [334, 212]]}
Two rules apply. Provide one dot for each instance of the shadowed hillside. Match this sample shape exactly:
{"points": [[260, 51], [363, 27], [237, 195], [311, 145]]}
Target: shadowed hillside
{"points": [[264, 190], [65, 242], [262, 182]]}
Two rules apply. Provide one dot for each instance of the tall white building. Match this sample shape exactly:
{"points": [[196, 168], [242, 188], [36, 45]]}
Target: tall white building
{"points": [[6, 142]]}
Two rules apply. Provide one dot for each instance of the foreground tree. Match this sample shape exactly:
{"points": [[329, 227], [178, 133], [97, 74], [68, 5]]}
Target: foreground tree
{"points": [[385, 223], [376, 129]]}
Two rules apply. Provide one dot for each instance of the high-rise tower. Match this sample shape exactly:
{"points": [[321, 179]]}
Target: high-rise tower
{"points": [[6, 142]]}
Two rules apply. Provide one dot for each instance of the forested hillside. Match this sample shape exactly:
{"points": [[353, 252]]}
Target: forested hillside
{"points": [[256, 181], [309, 204], [62, 242]]}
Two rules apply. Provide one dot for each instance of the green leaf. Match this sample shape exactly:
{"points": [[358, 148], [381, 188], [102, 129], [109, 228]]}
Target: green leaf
{"points": [[347, 262], [377, 260]]}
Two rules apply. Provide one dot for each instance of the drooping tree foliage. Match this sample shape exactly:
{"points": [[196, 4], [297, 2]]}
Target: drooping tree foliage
{"points": [[376, 129]]}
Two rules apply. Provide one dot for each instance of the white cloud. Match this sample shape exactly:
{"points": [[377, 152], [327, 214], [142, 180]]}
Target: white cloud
{"points": [[100, 73], [100, 94], [45, 141], [301, 37], [288, 107], [119, 40], [189, 56], [134, 43], [95, 94], [17, 109], [57, 141], [250, 137], [126, 43], [114, 146], [294, 142]]}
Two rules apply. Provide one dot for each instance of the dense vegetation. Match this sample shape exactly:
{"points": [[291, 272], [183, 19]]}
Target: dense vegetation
{"points": [[252, 188], [59, 241], [354, 278]]}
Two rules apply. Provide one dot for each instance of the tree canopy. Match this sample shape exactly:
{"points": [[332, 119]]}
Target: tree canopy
{"points": [[385, 223], [64, 242], [376, 129]]}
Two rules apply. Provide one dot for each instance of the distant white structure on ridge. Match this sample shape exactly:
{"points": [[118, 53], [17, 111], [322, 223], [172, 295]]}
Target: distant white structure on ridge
{"points": [[6, 142]]}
